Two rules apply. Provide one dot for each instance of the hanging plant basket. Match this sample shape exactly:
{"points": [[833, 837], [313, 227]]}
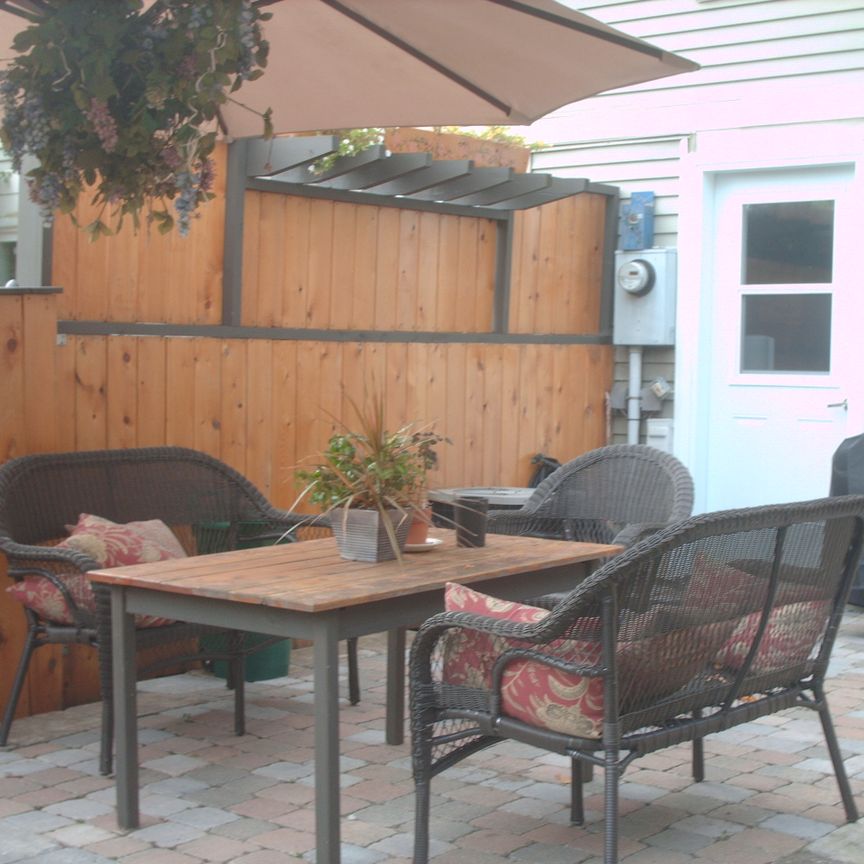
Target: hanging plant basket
{"points": [[125, 100]]}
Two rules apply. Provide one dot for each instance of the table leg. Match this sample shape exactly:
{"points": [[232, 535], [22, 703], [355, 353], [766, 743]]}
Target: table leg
{"points": [[395, 723], [326, 667], [125, 710]]}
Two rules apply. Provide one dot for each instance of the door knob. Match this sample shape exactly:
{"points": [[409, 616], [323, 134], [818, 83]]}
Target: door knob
{"points": [[844, 404]]}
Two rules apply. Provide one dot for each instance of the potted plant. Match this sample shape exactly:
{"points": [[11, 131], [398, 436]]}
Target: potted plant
{"points": [[372, 483]]}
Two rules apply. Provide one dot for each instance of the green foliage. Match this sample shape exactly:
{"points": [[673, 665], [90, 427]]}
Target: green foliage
{"points": [[354, 141], [125, 99], [372, 468], [496, 134], [351, 142]]}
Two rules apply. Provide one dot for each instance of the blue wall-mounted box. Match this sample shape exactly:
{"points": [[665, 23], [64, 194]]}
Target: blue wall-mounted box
{"points": [[636, 225]]}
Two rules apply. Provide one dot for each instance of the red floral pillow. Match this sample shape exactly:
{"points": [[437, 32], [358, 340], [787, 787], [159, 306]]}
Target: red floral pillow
{"points": [[48, 602], [715, 585], [530, 691], [790, 635], [113, 545], [110, 545], [720, 586]]}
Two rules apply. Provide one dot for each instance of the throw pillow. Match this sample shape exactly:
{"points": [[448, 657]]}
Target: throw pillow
{"points": [[743, 586], [532, 692], [48, 602], [115, 545], [718, 586], [109, 544], [790, 635]]}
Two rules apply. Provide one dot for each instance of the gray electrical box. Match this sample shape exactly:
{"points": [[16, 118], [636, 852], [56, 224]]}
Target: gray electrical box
{"points": [[645, 283]]}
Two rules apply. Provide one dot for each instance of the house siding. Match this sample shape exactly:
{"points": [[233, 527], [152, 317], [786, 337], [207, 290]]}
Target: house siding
{"points": [[796, 65]]}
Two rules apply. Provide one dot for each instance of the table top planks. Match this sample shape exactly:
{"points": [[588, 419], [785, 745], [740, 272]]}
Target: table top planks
{"points": [[312, 577]]}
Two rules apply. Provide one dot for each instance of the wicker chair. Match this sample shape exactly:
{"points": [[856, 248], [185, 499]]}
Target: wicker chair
{"points": [[617, 494], [713, 622], [209, 507]]}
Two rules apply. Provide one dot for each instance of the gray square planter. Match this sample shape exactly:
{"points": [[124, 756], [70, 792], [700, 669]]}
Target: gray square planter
{"points": [[362, 536]]}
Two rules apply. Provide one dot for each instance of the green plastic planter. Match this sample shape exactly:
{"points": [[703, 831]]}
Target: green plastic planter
{"points": [[272, 662]]}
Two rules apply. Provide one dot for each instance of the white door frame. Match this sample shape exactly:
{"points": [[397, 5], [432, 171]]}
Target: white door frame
{"points": [[730, 151]]}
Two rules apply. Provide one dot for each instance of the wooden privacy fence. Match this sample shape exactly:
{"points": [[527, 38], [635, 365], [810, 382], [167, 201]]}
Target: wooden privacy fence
{"points": [[338, 299]]}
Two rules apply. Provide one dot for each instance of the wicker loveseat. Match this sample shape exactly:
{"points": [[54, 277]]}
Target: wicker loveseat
{"points": [[707, 624], [208, 507]]}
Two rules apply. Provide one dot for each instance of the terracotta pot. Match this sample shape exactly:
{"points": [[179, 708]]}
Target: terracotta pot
{"points": [[419, 530]]}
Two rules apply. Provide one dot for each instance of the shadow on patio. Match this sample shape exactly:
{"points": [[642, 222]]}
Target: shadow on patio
{"points": [[769, 794]]}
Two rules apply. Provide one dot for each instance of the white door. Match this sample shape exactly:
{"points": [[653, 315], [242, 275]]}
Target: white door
{"points": [[787, 339]]}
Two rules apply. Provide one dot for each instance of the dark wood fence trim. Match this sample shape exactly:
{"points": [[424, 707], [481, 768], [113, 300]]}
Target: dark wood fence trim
{"points": [[19, 290], [114, 328]]}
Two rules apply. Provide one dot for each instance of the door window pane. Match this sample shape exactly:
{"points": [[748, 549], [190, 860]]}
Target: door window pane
{"points": [[788, 243], [786, 333]]}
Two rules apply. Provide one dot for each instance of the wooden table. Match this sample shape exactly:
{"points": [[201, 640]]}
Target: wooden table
{"points": [[306, 590]]}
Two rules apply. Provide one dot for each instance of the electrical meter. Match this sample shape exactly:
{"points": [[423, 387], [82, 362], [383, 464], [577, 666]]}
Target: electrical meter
{"points": [[644, 311], [636, 276]]}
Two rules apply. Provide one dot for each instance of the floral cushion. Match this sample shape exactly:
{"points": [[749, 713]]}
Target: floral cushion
{"points": [[795, 624], [723, 588], [48, 602], [716, 585], [110, 545], [658, 659], [530, 691], [113, 545], [790, 635]]}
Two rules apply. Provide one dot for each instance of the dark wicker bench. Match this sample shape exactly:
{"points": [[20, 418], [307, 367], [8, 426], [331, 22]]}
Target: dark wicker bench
{"points": [[707, 624], [209, 507]]}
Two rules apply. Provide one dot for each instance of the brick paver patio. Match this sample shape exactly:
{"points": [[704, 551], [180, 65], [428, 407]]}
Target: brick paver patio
{"points": [[769, 794]]}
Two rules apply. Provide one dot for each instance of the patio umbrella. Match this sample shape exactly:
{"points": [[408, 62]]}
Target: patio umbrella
{"points": [[338, 64]]}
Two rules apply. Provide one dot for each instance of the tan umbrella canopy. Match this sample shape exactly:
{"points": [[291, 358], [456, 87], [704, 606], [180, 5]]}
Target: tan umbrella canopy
{"points": [[355, 63]]}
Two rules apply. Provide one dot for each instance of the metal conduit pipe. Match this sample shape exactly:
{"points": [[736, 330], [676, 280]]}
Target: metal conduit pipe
{"points": [[634, 398]]}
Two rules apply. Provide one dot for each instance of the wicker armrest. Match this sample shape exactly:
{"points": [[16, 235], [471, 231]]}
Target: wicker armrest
{"points": [[22, 556], [554, 527], [482, 623], [434, 628], [288, 518], [526, 525], [637, 531]]}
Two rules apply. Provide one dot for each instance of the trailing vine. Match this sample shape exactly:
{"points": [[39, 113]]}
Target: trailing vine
{"points": [[124, 100]]}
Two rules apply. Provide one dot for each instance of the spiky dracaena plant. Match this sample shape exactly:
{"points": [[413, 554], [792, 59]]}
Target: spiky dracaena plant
{"points": [[373, 468]]}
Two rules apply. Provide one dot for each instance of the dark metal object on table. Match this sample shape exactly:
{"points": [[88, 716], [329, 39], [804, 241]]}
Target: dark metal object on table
{"points": [[498, 497], [470, 516], [693, 601]]}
